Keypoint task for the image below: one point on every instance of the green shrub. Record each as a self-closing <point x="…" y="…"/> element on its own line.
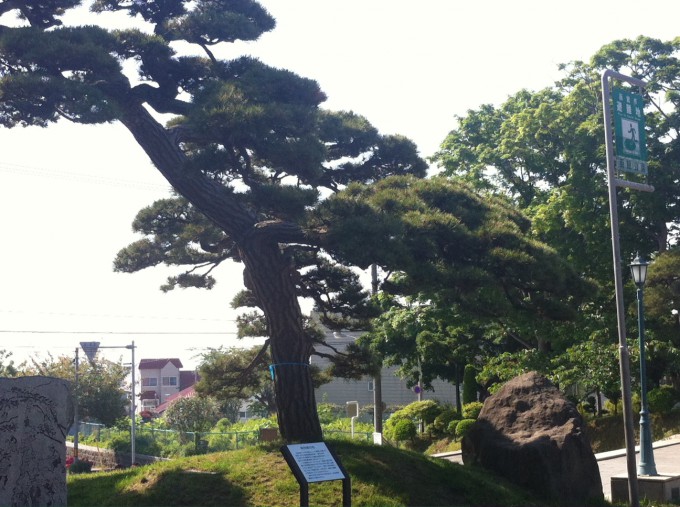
<point x="426" y="410"/>
<point x="442" y="421"/>
<point x="472" y="410"/>
<point x="469" y="384"/>
<point x="119" y="442"/>
<point x="451" y="428"/>
<point x="661" y="399"/>
<point x="80" y="466"/>
<point x="463" y="427"/>
<point x="404" y="429"/>
<point x="147" y="444"/>
<point x="613" y="408"/>
<point x="344" y="424"/>
<point x="328" y="412"/>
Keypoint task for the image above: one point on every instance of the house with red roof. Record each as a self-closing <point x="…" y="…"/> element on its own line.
<point x="162" y="380"/>
<point x="184" y="393"/>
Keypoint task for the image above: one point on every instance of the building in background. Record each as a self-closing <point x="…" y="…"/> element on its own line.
<point x="162" y="380"/>
<point x="395" y="392"/>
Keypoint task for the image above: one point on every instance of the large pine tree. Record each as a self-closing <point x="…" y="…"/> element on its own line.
<point x="248" y="145"/>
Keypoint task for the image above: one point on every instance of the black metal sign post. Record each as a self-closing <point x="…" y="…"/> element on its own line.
<point x="315" y="462"/>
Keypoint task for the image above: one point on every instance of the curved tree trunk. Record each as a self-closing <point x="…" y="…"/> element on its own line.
<point x="268" y="271"/>
<point x="270" y="278"/>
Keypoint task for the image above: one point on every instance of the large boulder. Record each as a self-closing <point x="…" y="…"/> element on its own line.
<point x="35" y="416"/>
<point x="529" y="433"/>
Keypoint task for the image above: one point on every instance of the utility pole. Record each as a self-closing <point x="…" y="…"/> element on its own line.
<point x="90" y="349"/>
<point x="377" y="378"/>
<point x="76" y="392"/>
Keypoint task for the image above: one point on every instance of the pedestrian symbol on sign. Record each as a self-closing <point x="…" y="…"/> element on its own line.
<point x="629" y="125"/>
<point x="631" y="144"/>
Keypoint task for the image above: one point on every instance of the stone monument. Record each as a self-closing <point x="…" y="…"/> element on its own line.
<point x="35" y="416"/>
<point x="529" y="433"/>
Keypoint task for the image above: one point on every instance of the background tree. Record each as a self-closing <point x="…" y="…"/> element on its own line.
<point x="7" y="367"/>
<point x="237" y="374"/>
<point x="589" y="367"/>
<point x="463" y="264"/>
<point x="662" y="304"/>
<point x="544" y="150"/>
<point x="193" y="414"/>
<point x="101" y="393"/>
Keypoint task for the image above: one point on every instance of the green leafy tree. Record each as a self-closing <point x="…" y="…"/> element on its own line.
<point x="662" y="322"/>
<point x="503" y="367"/>
<point x="193" y="414"/>
<point x="237" y="374"/>
<point x="247" y="146"/>
<point x="457" y="304"/>
<point x="544" y="151"/>
<point x="7" y="367"/>
<point x="101" y="387"/>
<point x="589" y="367"/>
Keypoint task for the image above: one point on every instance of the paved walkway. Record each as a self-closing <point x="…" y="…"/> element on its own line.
<point x="666" y="458"/>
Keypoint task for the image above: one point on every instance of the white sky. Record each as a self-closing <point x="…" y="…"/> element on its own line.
<point x="68" y="193"/>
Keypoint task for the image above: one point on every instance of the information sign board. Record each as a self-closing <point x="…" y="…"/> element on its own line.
<point x="629" y="129"/>
<point x="316" y="462"/>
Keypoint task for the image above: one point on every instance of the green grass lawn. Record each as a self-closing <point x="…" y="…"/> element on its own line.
<point x="259" y="476"/>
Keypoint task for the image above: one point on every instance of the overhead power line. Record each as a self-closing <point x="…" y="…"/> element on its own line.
<point x="117" y="316"/>
<point x="80" y="177"/>
<point x="27" y="331"/>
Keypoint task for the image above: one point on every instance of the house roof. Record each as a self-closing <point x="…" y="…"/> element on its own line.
<point x="188" y="378"/>
<point x="157" y="364"/>
<point x="185" y="393"/>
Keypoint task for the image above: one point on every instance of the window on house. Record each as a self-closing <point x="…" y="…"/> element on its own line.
<point x="149" y="382"/>
<point x="169" y="381"/>
<point x="370" y="385"/>
<point x="149" y="404"/>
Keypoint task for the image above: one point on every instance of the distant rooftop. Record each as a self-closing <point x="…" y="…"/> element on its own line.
<point x="185" y="393"/>
<point x="157" y="364"/>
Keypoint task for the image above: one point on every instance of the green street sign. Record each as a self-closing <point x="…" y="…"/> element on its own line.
<point x="629" y="127"/>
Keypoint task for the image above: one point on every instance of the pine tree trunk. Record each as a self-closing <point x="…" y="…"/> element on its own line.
<point x="269" y="276"/>
<point x="269" y="272"/>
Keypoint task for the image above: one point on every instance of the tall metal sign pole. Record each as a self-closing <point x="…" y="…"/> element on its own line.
<point x="630" y="157"/>
<point x="90" y="349"/>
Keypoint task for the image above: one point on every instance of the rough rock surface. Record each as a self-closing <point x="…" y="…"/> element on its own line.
<point x="35" y="415"/>
<point x="529" y="433"/>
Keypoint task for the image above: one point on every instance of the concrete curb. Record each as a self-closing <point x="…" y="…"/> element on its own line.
<point x="674" y="440"/>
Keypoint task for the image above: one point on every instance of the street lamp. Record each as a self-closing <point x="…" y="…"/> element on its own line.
<point x="75" y="406"/>
<point x="90" y="349"/>
<point x="638" y="269"/>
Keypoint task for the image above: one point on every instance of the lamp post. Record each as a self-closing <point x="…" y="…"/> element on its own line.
<point x="638" y="269"/>
<point x="75" y="406"/>
<point x="90" y="349"/>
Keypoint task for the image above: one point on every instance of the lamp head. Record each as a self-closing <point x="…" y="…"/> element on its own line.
<point x="638" y="269"/>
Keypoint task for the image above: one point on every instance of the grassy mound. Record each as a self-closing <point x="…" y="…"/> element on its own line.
<point x="259" y="476"/>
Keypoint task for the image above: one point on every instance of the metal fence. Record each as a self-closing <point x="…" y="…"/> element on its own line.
<point x="171" y="443"/>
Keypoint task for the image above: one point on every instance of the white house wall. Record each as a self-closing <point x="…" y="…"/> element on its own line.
<point x="394" y="389"/>
<point x="169" y="370"/>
